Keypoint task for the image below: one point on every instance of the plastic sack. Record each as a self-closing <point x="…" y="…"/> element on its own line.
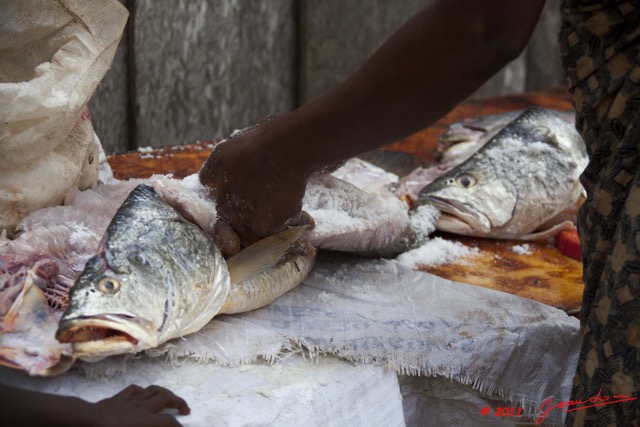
<point x="53" y="54"/>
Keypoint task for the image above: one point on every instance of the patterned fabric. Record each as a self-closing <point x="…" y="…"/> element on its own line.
<point x="599" y="43"/>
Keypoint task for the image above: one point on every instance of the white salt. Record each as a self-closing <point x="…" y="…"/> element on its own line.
<point x="437" y="251"/>
<point x="423" y="221"/>
<point x="350" y="219"/>
<point x="193" y="182"/>
<point x="524" y="249"/>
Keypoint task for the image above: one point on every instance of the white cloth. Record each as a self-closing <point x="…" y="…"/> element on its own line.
<point x="383" y="313"/>
<point x="296" y="392"/>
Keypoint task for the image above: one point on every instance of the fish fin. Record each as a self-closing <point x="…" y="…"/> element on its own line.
<point x="30" y="296"/>
<point x="262" y="255"/>
<point x="545" y="234"/>
<point x="60" y="367"/>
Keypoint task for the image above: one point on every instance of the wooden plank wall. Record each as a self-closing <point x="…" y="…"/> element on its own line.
<point x="109" y="106"/>
<point x="338" y="35"/>
<point x="198" y="69"/>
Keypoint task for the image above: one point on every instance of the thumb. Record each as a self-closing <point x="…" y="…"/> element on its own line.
<point x="226" y="239"/>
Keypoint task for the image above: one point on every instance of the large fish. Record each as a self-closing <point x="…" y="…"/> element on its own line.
<point x="522" y="184"/>
<point x="64" y="238"/>
<point x="157" y="276"/>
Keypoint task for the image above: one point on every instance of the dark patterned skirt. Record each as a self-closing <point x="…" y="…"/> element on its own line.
<point x="599" y="42"/>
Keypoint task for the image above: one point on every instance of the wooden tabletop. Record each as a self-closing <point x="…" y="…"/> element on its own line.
<point x="542" y="274"/>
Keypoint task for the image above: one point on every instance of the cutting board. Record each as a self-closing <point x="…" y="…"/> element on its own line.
<point x="542" y="273"/>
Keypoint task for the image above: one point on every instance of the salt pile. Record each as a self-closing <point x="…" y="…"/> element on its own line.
<point x="437" y="251"/>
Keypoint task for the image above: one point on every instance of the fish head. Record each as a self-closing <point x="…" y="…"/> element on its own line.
<point x="516" y="181"/>
<point x="471" y="199"/>
<point x="155" y="276"/>
<point x="117" y="305"/>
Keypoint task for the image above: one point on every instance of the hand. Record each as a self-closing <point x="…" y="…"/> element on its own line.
<point x="132" y="407"/>
<point x="258" y="187"/>
<point x="139" y="407"/>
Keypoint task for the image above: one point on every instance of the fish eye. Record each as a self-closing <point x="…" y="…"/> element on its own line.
<point x="466" y="180"/>
<point x="108" y="285"/>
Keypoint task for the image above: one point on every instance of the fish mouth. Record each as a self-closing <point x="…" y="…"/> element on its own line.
<point x="97" y="337"/>
<point x="458" y="218"/>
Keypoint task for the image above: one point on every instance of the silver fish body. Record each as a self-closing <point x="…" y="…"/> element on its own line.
<point x="522" y="184"/>
<point x="155" y="277"/>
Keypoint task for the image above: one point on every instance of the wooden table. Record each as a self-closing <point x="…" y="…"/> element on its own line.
<point x="544" y="274"/>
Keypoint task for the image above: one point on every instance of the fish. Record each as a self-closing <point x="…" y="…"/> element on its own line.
<point x="156" y="276"/>
<point x="522" y="184"/>
<point x="65" y="237"/>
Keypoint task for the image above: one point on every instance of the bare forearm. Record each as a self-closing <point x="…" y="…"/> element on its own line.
<point x="432" y="63"/>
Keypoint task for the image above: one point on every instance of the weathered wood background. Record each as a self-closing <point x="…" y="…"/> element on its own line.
<point x="198" y="69"/>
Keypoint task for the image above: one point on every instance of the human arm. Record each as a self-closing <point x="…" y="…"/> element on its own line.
<point x="433" y="62"/>
<point x="134" y="406"/>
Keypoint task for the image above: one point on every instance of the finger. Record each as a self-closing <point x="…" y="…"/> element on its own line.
<point x="302" y="218"/>
<point x="302" y="249"/>
<point x="153" y="390"/>
<point x="166" y="399"/>
<point x="129" y="391"/>
<point x="208" y="171"/>
<point x="262" y="226"/>
<point x="299" y="248"/>
<point x="249" y="238"/>
<point x="161" y="420"/>
<point x="233" y="232"/>
<point x="226" y="239"/>
<point x="332" y="167"/>
<point x="206" y="174"/>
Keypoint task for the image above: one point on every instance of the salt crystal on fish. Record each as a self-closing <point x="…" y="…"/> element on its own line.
<point x="423" y="221"/>
<point x="349" y="219"/>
